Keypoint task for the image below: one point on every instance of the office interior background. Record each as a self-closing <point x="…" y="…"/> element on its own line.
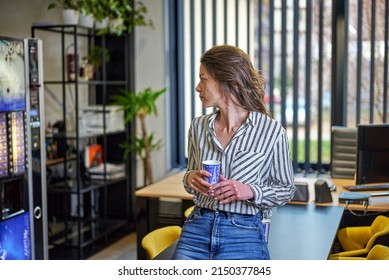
<point x="326" y="64"/>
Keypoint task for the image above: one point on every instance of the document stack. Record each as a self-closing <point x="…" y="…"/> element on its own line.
<point x="107" y="171"/>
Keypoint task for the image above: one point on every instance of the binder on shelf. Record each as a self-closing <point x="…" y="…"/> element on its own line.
<point x="93" y="155"/>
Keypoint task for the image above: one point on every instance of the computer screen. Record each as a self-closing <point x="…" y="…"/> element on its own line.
<point x="372" y="154"/>
<point x="15" y="239"/>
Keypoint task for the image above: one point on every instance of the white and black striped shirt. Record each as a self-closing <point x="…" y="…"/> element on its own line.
<point x="257" y="155"/>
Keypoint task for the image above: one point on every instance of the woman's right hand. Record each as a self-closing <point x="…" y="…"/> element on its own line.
<point x="196" y="180"/>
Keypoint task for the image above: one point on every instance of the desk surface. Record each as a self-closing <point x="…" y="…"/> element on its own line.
<point x="297" y="232"/>
<point x="379" y="203"/>
<point x="303" y="232"/>
<point x="172" y="187"/>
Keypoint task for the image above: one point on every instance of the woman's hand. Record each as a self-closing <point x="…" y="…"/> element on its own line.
<point x="196" y="180"/>
<point x="227" y="191"/>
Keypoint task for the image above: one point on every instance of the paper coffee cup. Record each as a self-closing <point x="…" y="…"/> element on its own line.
<point x="213" y="167"/>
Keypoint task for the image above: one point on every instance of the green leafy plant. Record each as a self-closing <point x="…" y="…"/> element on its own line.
<point x="66" y="4"/>
<point x="140" y="105"/>
<point x="96" y="55"/>
<point x="122" y="15"/>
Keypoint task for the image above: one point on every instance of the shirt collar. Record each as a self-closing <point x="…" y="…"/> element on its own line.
<point x="252" y="119"/>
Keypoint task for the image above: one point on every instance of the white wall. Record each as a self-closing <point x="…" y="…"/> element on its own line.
<point x="17" y="16"/>
<point x="150" y="72"/>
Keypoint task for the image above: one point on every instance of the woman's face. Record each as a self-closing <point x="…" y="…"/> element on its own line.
<point x="208" y="89"/>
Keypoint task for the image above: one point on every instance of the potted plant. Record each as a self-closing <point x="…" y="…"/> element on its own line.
<point x="71" y="10"/>
<point x="122" y="15"/>
<point x="86" y="13"/>
<point x="65" y="4"/>
<point x="96" y="56"/>
<point x="140" y="105"/>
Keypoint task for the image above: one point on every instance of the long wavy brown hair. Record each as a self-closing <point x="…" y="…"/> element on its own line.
<point x="232" y="68"/>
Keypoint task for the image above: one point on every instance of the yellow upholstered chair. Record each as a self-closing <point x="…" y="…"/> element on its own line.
<point x="359" y="240"/>
<point x="188" y="211"/>
<point x="378" y="252"/>
<point x="353" y="238"/>
<point x="159" y="239"/>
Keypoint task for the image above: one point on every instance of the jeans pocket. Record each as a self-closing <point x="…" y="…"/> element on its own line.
<point x="193" y="215"/>
<point x="246" y="221"/>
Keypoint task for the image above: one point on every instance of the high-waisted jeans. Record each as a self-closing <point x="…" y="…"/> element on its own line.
<point x="219" y="235"/>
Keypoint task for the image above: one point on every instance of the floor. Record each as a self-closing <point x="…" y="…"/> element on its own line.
<point x="123" y="249"/>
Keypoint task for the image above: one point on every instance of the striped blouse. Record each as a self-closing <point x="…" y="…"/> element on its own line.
<point x="257" y="155"/>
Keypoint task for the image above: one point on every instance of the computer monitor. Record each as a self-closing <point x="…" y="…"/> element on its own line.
<point x="372" y="154"/>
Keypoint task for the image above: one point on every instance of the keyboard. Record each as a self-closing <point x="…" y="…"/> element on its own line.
<point x="364" y="188"/>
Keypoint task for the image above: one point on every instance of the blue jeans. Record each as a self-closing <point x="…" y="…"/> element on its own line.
<point x="219" y="235"/>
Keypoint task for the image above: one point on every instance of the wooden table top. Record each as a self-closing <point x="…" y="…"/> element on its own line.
<point x="172" y="187"/>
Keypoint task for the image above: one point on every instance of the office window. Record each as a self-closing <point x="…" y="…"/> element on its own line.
<point x="298" y="45"/>
<point x="293" y="50"/>
<point x="367" y="60"/>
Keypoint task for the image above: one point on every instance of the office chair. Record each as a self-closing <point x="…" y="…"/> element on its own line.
<point x="159" y="239"/>
<point x="378" y="252"/>
<point x="353" y="238"/>
<point x="188" y="211"/>
<point x="343" y="152"/>
<point x="359" y="240"/>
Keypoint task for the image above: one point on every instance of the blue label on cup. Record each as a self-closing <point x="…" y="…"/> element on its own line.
<point x="213" y="167"/>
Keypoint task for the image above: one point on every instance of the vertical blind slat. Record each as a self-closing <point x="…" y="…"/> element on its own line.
<point x="385" y="82"/>
<point x="372" y="60"/>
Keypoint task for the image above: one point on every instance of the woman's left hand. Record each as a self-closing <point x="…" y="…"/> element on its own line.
<point x="227" y="191"/>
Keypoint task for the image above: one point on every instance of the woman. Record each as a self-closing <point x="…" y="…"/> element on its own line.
<point x="256" y="170"/>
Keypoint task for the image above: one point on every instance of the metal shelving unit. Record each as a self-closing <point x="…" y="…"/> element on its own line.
<point x="86" y="215"/>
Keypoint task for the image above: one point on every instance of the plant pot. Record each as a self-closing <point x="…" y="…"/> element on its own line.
<point x="70" y="16"/>
<point x="86" y="21"/>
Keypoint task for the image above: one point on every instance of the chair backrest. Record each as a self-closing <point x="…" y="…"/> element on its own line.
<point x="188" y="211"/>
<point x="343" y="152"/>
<point x="379" y="224"/>
<point x="158" y="240"/>
<point x="379" y="252"/>
<point x="380" y="237"/>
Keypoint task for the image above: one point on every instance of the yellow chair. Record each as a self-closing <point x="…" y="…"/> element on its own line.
<point x="188" y="211"/>
<point x="378" y="252"/>
<point x="159" y="239"/>
<point x="353" y="238"/>
<point x="358" y="241"/>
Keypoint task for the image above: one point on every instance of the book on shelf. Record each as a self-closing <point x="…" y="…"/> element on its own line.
<point x="93" y="155"/>
<point x="107" y="171"/>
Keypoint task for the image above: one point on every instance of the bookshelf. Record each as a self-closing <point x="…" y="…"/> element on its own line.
<point x="89" y="205"/>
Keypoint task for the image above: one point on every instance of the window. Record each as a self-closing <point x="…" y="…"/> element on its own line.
<point x="298" y="45"/>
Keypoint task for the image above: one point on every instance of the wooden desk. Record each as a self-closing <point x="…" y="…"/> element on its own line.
<point x="172" y="187"/>
<point x="376" y="204"/>
<point x="147" y="201"/>
<point x="297" y="232"/>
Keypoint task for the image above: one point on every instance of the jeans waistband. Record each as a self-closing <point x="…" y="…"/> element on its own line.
<point x="203" y="211"/>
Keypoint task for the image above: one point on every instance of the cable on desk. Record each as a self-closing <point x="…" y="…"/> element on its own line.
<point x="365" y="214"/>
